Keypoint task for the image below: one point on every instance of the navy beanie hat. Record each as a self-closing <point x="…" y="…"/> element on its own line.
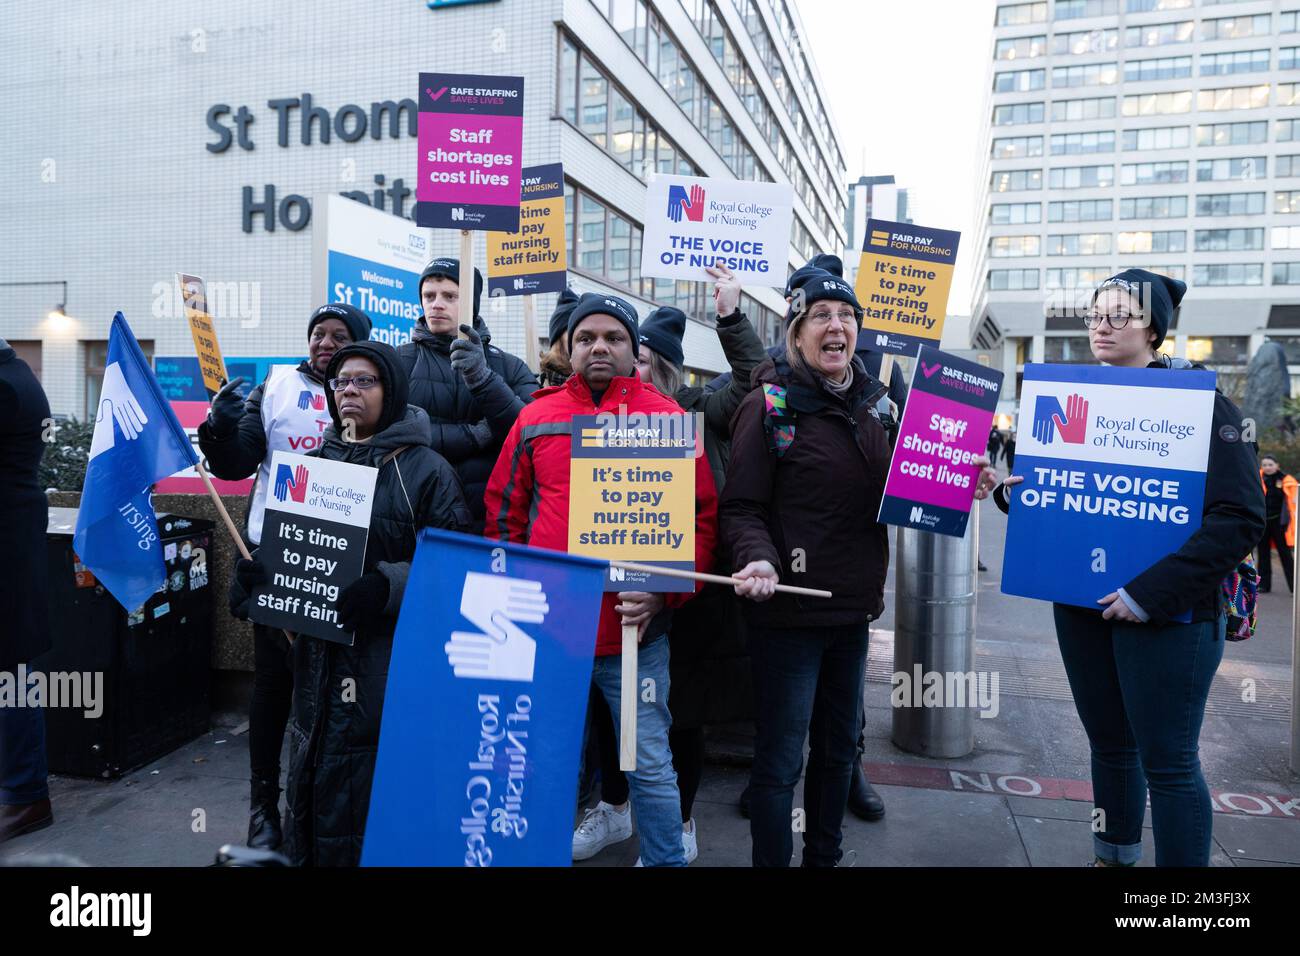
<point x="560" y="317"/>
<point x="1158" y="295"/>
<point x="662" y="332"/>
<point x="595" y="303"/>
<point x="819" y="287"/>
<point x="445" y="267"/>
<point x="358" y="322"/>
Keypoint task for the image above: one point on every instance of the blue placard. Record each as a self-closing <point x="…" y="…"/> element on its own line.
<point x="181" y="381"/>
<point x="483" y="716"/>
<point x="1113" y="461"/>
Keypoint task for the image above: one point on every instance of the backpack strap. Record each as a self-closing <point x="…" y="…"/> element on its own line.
<point x="778" y="420"/>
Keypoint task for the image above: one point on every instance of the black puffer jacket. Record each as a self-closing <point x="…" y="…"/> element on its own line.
<point x="333" y="743"/>
<point x="454" y="409"/>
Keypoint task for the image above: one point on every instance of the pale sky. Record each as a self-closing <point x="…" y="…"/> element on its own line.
<point x="904" y="82"/>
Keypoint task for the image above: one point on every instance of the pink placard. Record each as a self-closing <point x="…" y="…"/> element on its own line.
<point x="924" y="464"/>
<point x="453" y="177"/>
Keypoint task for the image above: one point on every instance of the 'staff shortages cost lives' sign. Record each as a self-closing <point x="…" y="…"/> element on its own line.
<point x="693" y="223"/>
<point x="313" y="542"/>
<point x="1114" y="465"/>
<point x="471" y="140"/>
<point x="945" y="427"/>
<point x="534" y="259"/>
<point x="632" y="495"/>
<point x="903" y="283"/>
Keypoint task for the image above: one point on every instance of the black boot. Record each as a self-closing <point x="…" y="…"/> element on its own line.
<point x="264" y="815"/>
<point x="863" y="799"/>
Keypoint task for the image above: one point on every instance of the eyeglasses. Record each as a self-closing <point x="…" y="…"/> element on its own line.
<point x="1093" y="320"/>
<point x="824" y="316"/>
<point x="361" y="381"/>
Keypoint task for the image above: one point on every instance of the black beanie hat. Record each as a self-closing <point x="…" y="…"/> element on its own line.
<point x="822" y="262"/>
<point x="445" y="267"/>
<point x="595" y="303"/>
<point x="822" y="286"/>
<point x="358" y="322"/>
<point x="1158" y="295"/>
<point x="560" y="317"/>
<point x="392" y="374"/>
<point x="662" y="332"/>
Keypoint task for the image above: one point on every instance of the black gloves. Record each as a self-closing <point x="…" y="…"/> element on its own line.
<point x="248" y="575"/>
<point x="227" y="408"/>
<point x="362" y="600"/>
<point x="468" y="359"/>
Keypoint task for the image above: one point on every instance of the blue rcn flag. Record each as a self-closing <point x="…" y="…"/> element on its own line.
<point x="1114" y="465"/>
<point x="137" y="441"/>
<point x="483" y="716"/>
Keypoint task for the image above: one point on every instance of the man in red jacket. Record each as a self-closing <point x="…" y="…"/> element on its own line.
<point x="527" y="501"/>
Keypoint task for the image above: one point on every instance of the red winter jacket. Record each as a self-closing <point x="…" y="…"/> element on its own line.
<point x="527" y="498"/>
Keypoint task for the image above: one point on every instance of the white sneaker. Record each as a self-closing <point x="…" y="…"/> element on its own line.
<point x="690" y="843"/>
<point x="601" y="827"/>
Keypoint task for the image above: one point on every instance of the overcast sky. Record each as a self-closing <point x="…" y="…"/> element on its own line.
<point x="905" y="83"/>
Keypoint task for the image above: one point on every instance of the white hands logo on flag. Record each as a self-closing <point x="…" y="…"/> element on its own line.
<point x="494" y="603"/>
<point x="116" y="404"/>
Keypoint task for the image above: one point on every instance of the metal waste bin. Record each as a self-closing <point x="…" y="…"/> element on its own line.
<point x="152" y="664"/>
<point x="934" y="633"/>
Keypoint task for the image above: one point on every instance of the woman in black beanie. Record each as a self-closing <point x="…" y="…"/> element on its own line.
<point x="1139" y="678"/>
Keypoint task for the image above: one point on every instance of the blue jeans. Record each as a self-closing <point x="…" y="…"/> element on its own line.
<point x="653" y="785"/>
<point x="23" y="767"/>
<point x="1140" y="691"/>
<point x="807" y="683"/>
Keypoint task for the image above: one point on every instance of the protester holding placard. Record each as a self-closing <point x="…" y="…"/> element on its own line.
<point x="527" y="501"/>
<point x="555" y="368"/>
<point x="1140" y="675"/>
<point x="471" y="390"/>
<point x="1280" y="515"/>
<point x="339" y="689"/>
<point x="285" y="413"/>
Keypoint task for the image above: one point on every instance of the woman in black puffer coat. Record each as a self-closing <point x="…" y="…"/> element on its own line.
<point x="333" y="741"/>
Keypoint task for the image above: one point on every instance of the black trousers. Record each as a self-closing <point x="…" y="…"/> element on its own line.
<point x="1274" y="533"/>
<point x="272" y="697"/>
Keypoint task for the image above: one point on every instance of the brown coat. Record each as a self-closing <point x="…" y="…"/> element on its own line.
<point x="811" y="512"/>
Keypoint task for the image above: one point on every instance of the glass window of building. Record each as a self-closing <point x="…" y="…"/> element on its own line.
<point x="1284" y="167"/>
<point x="1153" y="207"/>
<point x="1097" y="107"/>
<point x="1288" y="94"/>
<point x="1229" y="240"/>
<point x="1074" y="9"/>
<point x="1219" y="349"/>
<point x="1160" y="68"/>
<point x="1173" y="271"/>
<point x="1150" y="6"/>
<point x="1228" y="273"/>
<point x="1071" y="144"/>
<point x="1013" y="180"/>
<point x="1234" y="28"/>
<point x="1286" y="237"/>
<point x="591" y="235"/>
<point x="1232" y="134"/>
<point x="1091" y="74"/>
<point x="1233" y="98"/>
<point x="1020" y="48"/>
<point x="1288" y="58"/>
<point x="1017" y="14"/>
<point x="1015" y="114"/>
<point x="1085" y="41"/>
<point x="1286" y="202"/>
<point x="1068" y="350"/>
<point x="1082" y="177"/>
<point x="1286" y="273"/>
<point x="1246" y="169"/>
<point x="1159" y="137"/>
<point x="1157" y="104"/>
<point x="566" y="86"/>
<point x="1079" y="244"/>
<point x="594" y="101"/>
<point x="1288" y="21"/>
<point x="1147" y="241"/>
<point x="1017" y="147"/>
<point x="1240" y="61"/>
<point x="1143" y="174"/>
<point x="1015" y="214"/>
<point x="1019" y="81"/>
<point x="1074" y="278"/>
<point x="1079" y="210"/>
<point x="1230" y="204"/>
<point x="1288" y="131"/>
<point x="1013" y="280"/>
<point x="1160" y="34"/>
<point x="1011" y="247"/>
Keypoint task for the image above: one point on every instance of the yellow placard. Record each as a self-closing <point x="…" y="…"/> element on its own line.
<point x="903" y="282"/>
<point x="535" y="258"/>
<point x="211" y="364"/>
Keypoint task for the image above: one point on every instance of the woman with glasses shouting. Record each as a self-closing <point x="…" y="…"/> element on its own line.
<point x="1140" y="679"/>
